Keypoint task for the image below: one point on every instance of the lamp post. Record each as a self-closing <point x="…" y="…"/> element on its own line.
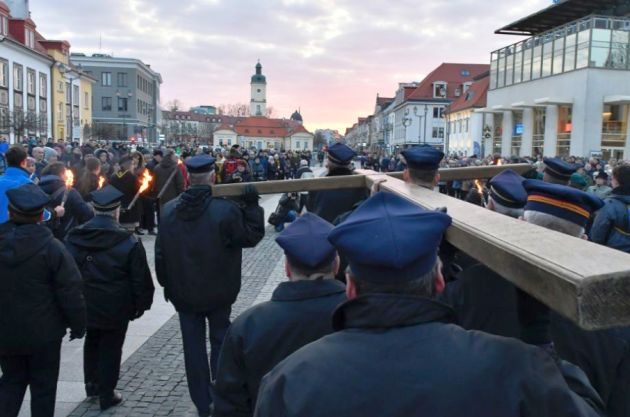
<point x="66" y="71"/>
<point x="407" y="121"/>
<point x="419" y="116"/>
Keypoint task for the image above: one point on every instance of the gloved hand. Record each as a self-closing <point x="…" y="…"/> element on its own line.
<point x="77" y="334"/>
<point x="166" y="296"/>
<point x="250" y="195"/>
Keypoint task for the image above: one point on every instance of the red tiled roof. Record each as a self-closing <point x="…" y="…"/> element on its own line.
<point x="225" y="126"/>
<point x="4" y="7"/>
<point x="265" y="127"/>
<point x="452" y="74"/>
<point x="475" y="97"/>
<point x="380" y="101"/>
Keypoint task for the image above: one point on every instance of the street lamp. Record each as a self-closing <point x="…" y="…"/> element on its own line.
<point x="419" y="116"/>
<point x="67" y="71"/>
<point x="406" y="121"/>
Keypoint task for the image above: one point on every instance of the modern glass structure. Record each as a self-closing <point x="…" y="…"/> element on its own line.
<point x="591" y="42"/>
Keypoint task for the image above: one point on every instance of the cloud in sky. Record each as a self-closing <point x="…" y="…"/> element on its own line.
<point x="328" y="57"/>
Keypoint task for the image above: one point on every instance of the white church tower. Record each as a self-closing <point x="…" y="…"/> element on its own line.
<point x="258" y="106"/>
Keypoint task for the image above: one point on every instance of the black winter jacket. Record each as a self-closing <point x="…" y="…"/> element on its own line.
<point x="127" y="183"/>
<point x="399" y="356"/>
<point x="330" y="204"/>
<point x="116" y="278"/>
<point x="198" y="250"/>
<point x="77" y="210"/>
<point x="298" y="314"/>
<point x="40" y="289"/>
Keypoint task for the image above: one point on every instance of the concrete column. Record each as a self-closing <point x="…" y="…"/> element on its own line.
<point x="506" y="139"/>
<point x="528" y="132"/>
<point x="551" y="131"/>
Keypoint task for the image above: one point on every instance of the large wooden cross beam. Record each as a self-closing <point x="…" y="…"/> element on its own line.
<point x="586" y="282"/>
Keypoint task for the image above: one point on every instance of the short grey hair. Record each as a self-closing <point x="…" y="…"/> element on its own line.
<point x="301" y="274"/>
<point x="202" y="178"/>
<point x="114" y="214"/>
<point x="506" y="211"/>
<point x="423" y="286"/>
<point x="552" y="222"/>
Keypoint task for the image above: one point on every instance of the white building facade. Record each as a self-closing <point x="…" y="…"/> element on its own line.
<point x="565" y="91"/>
<point x="258" y="102"/>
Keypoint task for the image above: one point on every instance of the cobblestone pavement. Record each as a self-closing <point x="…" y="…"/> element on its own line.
<point x="153" y="379"/>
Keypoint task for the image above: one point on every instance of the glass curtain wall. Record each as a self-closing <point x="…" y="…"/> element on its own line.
<point x="565" y="127"/>
<point x="595" y="42"/>
<point x="614" y="130"/>
<point x="517" y="132"/>
<point x="538" y="142"/>
<point x="498" y="133"/>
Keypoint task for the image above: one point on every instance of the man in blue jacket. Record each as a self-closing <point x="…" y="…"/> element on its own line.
<point x="612" y="224"/>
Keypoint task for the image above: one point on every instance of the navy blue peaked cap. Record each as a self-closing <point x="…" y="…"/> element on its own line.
<point x="558" y="168"/>
<point x="305" y="242"/>
<point x="507" y="189"/>
<point x="107" y="198"/>
<point x="423" y="157"/>
<point x="200" y="164"/>
<point x="27" y="199"/>
<point x="561" y="201"/>
<point x="341" y="154"/>
<point x="388" y="239"/>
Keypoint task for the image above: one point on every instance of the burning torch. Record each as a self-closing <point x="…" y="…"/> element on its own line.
<point x="480" y="191"/>
<point x="101" y="182"/>
<point x="69" y="184"/>
<point x="146" y="181"/>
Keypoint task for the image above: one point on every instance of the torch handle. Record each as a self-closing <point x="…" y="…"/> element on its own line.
<point x="133" y="202"/>
<point x="64" y="198"/>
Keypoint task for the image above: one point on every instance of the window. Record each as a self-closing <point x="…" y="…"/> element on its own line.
<point x="297" y="144"/>
<point x="5" y="25"/>
<point x="122" y="104"/>
<point x="438" y="112"/>
<point x="106" y="79"/>
<point x="43" y="85"/>
<point x="30" y="81"/>
<point x="438" y="132"/>
<point x="75" y="95"/>
<point x="439" y="90"/>
<point x="86" y="101"/>
<point x="60" y="112"/>
<point x="29" y="38"/>
<point x="18" y="77"/>
<point x="122" y="79"/>
<point x="4" y="74"/>
<point x="67" y="92"/>
<point x="466" y="124"/>
<point x="107" y="103"/>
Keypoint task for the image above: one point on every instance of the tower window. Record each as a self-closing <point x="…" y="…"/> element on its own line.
<point x="259" y="90"/>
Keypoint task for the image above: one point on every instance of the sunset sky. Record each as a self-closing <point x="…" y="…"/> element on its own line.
<point x="328" y="57"/>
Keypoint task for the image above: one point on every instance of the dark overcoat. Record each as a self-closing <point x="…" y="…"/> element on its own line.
<point x="40" y="289"/>
<point x="330" y="204"/>
<point x="199" y="248"/>
<point x="398" y="355"/>
<point x="117" y="281"/>
<point x="298" y="313"/>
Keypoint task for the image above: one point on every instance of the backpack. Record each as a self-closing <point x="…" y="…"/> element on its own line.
<point x="622" y="217"/>
<point x="230" y="167"/>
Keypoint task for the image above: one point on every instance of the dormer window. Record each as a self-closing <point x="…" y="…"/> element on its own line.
<point x="29" y="38"/>
<point x="439" y="89"/>
<point x="467" y="86"/>
<point x="4" y="25"/>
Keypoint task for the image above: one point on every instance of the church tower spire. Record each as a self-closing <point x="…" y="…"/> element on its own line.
<point x="258" y="103"/>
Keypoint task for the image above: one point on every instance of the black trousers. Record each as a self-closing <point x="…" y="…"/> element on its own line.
<point x="148" y="213"/>
<point x="194" y="328"/>
<point x="39" y="371"/>
<point x="102" y="352"/>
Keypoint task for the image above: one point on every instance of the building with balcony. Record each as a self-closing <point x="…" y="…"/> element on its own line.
<point x="565" y="90"/>
<point x="126" y="97"/>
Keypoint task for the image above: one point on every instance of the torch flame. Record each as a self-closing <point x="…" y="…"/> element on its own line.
<point x="179" y="162"/>
<point x="499" y="162"/>
<point x="69" y="178"/>
<point x="101" y="182"/>
<point x="479" y="186"/>
<point x="146" y="181"/>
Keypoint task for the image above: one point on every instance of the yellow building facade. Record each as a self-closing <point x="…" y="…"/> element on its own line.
<point x="71" y="96"/>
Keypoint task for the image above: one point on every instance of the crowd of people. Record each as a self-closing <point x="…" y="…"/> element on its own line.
<point x="378" y="315"/>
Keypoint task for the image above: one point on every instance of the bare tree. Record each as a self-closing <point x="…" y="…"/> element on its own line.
<point x="235" y="109"/>
<point x="271" y="112"/>
<point x="174" y="105"/>
<point x="18" y="123"/>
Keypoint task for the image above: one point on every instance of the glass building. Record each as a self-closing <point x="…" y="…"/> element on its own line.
<point x="564" y="90"/>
